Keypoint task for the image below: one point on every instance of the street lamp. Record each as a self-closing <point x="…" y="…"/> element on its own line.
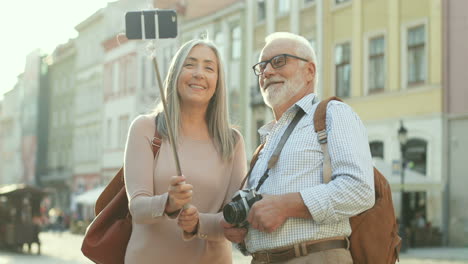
<point x="403" y="138"/>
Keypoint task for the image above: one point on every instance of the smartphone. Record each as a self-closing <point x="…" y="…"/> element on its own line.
<point x="143" y="24"/>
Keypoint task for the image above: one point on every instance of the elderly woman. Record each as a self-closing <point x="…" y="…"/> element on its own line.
<point x="212" y="159"/>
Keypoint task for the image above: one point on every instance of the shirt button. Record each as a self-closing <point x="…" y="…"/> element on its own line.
<point x="203" y="236"/>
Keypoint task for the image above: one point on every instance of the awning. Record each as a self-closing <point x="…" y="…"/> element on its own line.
<point x="414" y="181"/>
<point x="89" y="197"/>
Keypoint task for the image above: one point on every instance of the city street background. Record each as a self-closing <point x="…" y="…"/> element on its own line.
<point x="68" y="97"/>
<point x="64" y="248"/>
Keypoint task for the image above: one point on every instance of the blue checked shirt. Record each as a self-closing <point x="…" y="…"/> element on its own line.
<point x="299" y="169"/>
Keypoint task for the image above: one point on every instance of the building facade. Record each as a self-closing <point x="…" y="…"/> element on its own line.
<point x="10" y="126"/>
<point x="30" y="105"/>
<point x="87" y="138"/>
<point x="58" y="178"/>
<point x="455" y="54"/>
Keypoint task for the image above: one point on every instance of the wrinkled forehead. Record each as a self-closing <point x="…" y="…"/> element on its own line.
<point x="276" y="47"/>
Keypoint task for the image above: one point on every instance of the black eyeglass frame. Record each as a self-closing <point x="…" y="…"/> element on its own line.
<point x="275" y="67"/>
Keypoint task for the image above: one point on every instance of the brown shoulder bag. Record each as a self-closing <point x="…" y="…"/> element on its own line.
<point x="107" y="237"/>
<point x="374" y="237"/>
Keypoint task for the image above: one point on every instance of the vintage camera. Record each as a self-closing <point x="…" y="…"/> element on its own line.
<point x="151" y="24"/>
<point x="236" y="211"/>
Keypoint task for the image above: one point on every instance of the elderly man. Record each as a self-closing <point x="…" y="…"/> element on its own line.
<point x="300" y="219"/>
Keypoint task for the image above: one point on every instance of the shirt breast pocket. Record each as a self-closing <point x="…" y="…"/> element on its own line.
<point x="302" y="147"/>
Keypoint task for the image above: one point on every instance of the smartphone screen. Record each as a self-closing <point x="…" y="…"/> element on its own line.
<point x="142" y="24"/>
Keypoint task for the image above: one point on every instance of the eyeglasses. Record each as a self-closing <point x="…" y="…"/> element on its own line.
<point x="276" y="62"/>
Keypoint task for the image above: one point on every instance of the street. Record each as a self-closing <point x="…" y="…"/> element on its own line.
<point x="65" y="248"/>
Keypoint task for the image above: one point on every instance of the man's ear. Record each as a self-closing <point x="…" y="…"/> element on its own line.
<point x="311" y="71"/>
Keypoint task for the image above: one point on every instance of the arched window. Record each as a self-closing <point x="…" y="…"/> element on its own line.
<point x="377" y="149"/>
<point x="416" y="155"/>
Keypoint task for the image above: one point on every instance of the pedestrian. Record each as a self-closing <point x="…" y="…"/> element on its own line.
<point x="300" y="219"/>
<point x="212" y="159"/>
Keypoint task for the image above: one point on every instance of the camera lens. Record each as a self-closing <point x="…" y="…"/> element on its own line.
<point x="234" y="213"/>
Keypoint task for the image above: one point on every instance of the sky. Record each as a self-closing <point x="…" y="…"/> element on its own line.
<point x="31" y="24"/>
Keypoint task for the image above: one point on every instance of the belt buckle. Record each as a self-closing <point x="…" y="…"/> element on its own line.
<point x="264" y="257"/>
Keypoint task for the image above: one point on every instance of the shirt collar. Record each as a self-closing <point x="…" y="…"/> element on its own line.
<point x="305" y="103"/>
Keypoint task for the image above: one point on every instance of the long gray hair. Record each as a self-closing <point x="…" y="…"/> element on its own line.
<point x="217" y="115"/>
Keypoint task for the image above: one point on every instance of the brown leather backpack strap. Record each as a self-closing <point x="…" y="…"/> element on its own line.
<point x="320" y="117"/>
<point x="252" y="164"/>
<point x="156" y="141"/>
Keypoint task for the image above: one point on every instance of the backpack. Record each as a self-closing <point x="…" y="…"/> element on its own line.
<point x="374" y="238"/>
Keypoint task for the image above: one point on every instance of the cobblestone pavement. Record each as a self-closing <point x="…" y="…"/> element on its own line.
<point x="65" y="249"/>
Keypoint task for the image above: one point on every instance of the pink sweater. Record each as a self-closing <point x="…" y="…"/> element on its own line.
<point x="155" y="237"/>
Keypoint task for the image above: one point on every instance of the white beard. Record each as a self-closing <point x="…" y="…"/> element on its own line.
<point x="277" y="95"/>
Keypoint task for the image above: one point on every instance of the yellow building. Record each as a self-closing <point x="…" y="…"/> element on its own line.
<point x="383" y="57"/>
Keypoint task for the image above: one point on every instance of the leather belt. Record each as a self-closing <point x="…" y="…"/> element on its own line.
<point x="298" y="250"/>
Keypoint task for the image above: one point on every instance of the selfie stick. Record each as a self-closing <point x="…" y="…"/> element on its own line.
<point x="168" y="125"/>
<point x="161" y="91"/>
<point x="163" y="99"/>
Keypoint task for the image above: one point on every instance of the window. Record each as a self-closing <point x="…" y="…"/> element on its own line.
<point x="64" y="84"/>
<point x="343" y="70"/>
<point x="260" y="123"/>
<point x="108" y="81"/>
<point x="416" y="155"/>
<point x="122" y="74"/>
<point x="115" y="78"/>
<point x="109" y="133"/>
<point x="416" y="55"/>
<point x="143" y="73"/>
<point x="123" y="126"/>
<point x="261" y="10"/>
<point x="377" y="149"/>
<point x="376" y="64"/>
<point x="54" y="119"/>
<point x="283" y="7"/>
<point x="312" y="43"/>
<point x="337" y="2"/>
<point x="306" y="2"/>
<point x="236" y="43"/>
<point x="130" y="72"/>
<point x="219" y="41"/>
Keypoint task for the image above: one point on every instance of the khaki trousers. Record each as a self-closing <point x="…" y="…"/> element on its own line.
<point x="332" y="256"/>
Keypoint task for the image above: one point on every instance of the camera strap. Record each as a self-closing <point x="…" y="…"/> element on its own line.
<point x="275" y="157"/>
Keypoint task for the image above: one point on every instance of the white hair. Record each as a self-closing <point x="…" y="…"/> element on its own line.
<point x="303" y="47"/>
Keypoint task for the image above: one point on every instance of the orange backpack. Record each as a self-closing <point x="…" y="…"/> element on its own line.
<point x="374" y="238"/>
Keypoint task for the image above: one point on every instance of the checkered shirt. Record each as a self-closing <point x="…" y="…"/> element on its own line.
<point x="299" y="169"/>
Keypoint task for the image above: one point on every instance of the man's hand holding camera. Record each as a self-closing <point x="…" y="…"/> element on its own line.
<point x="268" y="214"/>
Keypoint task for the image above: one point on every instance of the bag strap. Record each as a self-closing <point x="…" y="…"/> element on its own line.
<point x="275" y="157"/>
<point x="320" y="117"/>
<point x="117" y="183"/>
<point x="252" y="164"/>
<point x="156" y="141"/>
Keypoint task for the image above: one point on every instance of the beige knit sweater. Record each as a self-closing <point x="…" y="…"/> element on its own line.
<point x="155" y="237"/>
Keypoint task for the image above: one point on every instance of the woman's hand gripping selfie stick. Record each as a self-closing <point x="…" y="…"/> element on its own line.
<point x="168" y="125"/>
